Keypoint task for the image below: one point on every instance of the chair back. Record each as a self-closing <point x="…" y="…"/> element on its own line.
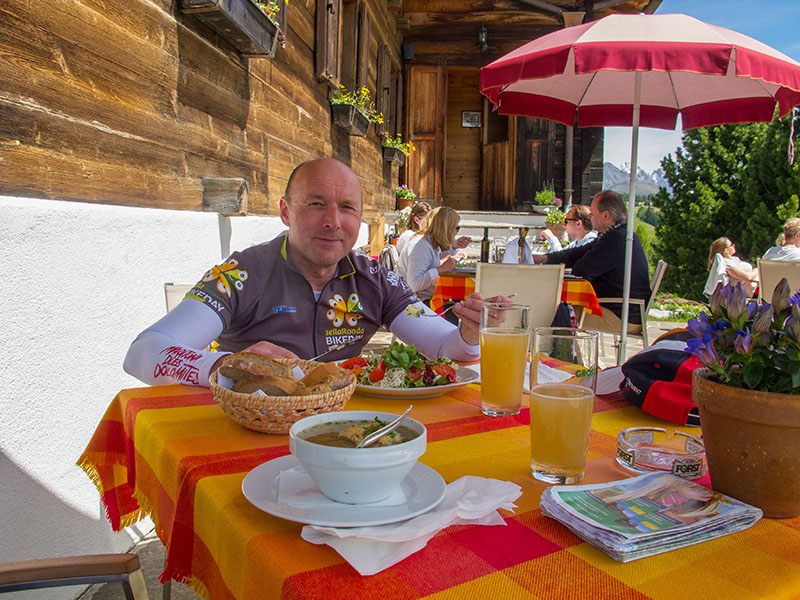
<point x="770" y="272"/>
<point x="655" y="283"/>
<point x="539" y="286"/>
<point x="174" y="293"/>
<point x="388" y="257"/>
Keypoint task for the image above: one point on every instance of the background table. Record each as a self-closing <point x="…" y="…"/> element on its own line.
<point x="170" y="451"/>
<point x="457" y="286"/>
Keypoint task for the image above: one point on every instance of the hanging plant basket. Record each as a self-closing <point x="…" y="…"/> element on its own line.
<point x="351" y="120"/>
<point x="243" y="24"/>
<point x="394" y="155"/>
<point x="540" y="209"/>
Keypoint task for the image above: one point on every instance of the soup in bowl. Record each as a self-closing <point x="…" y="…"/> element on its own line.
<point x="324" y="445"/>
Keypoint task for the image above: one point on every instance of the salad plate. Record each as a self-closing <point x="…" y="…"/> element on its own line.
<point x="465" y="375"/>
<point x="424" y="489"/>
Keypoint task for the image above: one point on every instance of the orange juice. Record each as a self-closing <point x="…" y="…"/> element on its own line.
<point x="561" y="418"/>
<point x="504" y="354"/>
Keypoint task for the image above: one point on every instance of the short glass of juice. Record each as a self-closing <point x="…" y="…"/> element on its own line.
<point x="504" y="338"/>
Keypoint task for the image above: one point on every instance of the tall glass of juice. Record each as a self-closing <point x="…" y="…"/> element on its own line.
<point x="504" y="338"/>
<point x="563" y="381"/>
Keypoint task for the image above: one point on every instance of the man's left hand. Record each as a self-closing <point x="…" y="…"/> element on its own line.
<point x="469" y="311"/>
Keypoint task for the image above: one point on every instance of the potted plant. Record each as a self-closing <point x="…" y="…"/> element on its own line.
<point x="353" y="111"/>
<point x="555" y="221"/>
<point x="405" y="197"/>
<point x="748" y="395"/>
<point x="395" y="149"/>
<point x="250" y="26"/>
<point x="545" y="200"/>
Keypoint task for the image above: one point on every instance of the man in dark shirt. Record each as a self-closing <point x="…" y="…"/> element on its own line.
<point x="602" y="263"/>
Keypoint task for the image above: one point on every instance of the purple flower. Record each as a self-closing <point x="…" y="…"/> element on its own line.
<point x="695" y="327"/>
<point x="780" y="297"/>
<point x="737" y="302"/>
<point x="707" y="354"/>
<point x="762" y="319"/>
<point x="717" y="299"/>
<point x="743" y="343"/>
<point x="794" y="321"/>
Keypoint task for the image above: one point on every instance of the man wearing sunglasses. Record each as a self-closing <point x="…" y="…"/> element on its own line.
<point x="602" y="263"/>
<point x="579" y="230"/>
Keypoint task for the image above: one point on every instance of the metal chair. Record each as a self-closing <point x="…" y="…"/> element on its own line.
<point x="75" y="570"/>
<point x="589" y="322"/>
<point x="770" y="272"/>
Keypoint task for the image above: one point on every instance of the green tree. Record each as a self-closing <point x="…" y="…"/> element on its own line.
<point x="729" y="180"/>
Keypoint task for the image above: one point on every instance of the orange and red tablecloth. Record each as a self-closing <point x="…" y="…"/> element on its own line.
<point x="170" y="452"/>
<point x="577" y="292"/>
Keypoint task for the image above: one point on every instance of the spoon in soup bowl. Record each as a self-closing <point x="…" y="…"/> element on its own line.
<point x="378" y="434"/>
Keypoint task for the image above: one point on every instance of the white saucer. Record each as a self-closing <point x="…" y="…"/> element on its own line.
<point x="424" y="488"/>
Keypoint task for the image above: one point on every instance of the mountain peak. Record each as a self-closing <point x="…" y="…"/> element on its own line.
<point x="617" y="178"/>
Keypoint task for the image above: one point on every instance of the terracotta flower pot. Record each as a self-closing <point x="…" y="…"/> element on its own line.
<point x="558" y="229"/>
<point x="752" y="442"/>
<point x="404" y="203"/>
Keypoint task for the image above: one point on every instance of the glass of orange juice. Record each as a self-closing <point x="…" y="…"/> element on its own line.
<point x="505" y="338"/>
<point x="563" y="381"/>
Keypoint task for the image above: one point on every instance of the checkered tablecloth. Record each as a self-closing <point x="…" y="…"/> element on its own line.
<point x="170" y="452"/>
<point x="577" y="292"/>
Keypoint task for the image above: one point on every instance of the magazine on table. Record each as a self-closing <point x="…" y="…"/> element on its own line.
<point x="645" y="515"/>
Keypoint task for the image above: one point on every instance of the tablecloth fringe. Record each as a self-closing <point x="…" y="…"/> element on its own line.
<point x="126" y="520"/>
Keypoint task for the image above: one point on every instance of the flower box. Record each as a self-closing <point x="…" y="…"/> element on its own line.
<point x="243" y="24"/>
<point x="350" y="119"/>
<point x="541" y="209"/>
<point x="394" y="155"/>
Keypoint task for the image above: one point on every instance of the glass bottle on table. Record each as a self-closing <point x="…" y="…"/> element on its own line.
<point x="485" y="246"/>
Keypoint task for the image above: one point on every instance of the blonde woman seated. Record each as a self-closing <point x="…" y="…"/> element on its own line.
<point x="421" y="260"/>
<point x="724" y="267"/>
<point x="789" y="247"/>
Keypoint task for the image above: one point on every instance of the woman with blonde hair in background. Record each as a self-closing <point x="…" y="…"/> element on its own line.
<point x="724" y="267"/>
<point x="421" y="260"/>
<point x="789" y="247"/>
<point x="416" y="221"/>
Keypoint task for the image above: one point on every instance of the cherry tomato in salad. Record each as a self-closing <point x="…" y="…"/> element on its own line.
<point x="414" y="373"/>
<point x="357" y="362"/>
<point x="378" y="372"/>
<point x="445" y="371"/>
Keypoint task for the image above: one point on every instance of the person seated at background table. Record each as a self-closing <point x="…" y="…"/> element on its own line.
<point x="602" y="263"/>
<point x="425" y="256"/>
<point x="789" y="248"/>
<point x="416" y="221"/>
<point x="299" y="295"/>
<point x="725" y="267"/>
<point x="578" y="223"/>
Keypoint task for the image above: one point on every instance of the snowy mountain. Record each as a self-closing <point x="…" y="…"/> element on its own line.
<point x="618" y="179"/>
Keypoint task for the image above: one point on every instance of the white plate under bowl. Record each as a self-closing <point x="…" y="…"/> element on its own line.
<point x="465" y="374"/>
<point x="424" y="489"/>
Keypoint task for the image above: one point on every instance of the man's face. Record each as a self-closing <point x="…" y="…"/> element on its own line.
<point x="572" y="225"/>
<point x="601" y="220"/>
<point x="323" y="213"/>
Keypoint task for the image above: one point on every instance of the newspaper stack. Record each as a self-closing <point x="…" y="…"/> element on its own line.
<point x="646" y="515"/>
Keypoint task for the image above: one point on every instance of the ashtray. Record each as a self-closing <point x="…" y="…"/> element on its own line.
<point x="649" y="449"/>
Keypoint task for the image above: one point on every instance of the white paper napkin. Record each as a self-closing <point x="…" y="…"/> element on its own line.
<point x="295" y="487"/>
<point x="467" y="501"/>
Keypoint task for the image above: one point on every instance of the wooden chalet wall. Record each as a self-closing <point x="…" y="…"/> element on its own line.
<point x="132" y="102"/>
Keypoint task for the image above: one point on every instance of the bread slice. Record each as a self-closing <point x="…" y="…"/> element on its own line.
<point x="321" y="373"/>
<point x="242" y="365"/>
<point x="272" y="385"/>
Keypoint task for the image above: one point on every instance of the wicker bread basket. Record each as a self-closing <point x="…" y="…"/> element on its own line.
<point x="276" y="414"/>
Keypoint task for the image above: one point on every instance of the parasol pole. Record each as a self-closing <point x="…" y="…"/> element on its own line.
<point x="626" y="286"/>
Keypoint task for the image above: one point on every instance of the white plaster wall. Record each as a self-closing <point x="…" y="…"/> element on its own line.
<point x="79" y="282"/>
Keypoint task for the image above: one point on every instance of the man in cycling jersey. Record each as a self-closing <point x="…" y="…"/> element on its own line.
<point x="303" y="294"/>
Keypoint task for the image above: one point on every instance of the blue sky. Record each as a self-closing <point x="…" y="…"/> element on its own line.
<point x="773" y="22"/>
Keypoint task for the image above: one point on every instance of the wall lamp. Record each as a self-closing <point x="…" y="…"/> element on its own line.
<point x="482" y="36"/>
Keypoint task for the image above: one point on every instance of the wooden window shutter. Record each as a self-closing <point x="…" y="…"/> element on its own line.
<point x="398" y="100"/>
<point x="383" y="93"/>
<point x="328" y="40"/>
<point x="362" y="57"/>
<point x="355" y="44"/>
